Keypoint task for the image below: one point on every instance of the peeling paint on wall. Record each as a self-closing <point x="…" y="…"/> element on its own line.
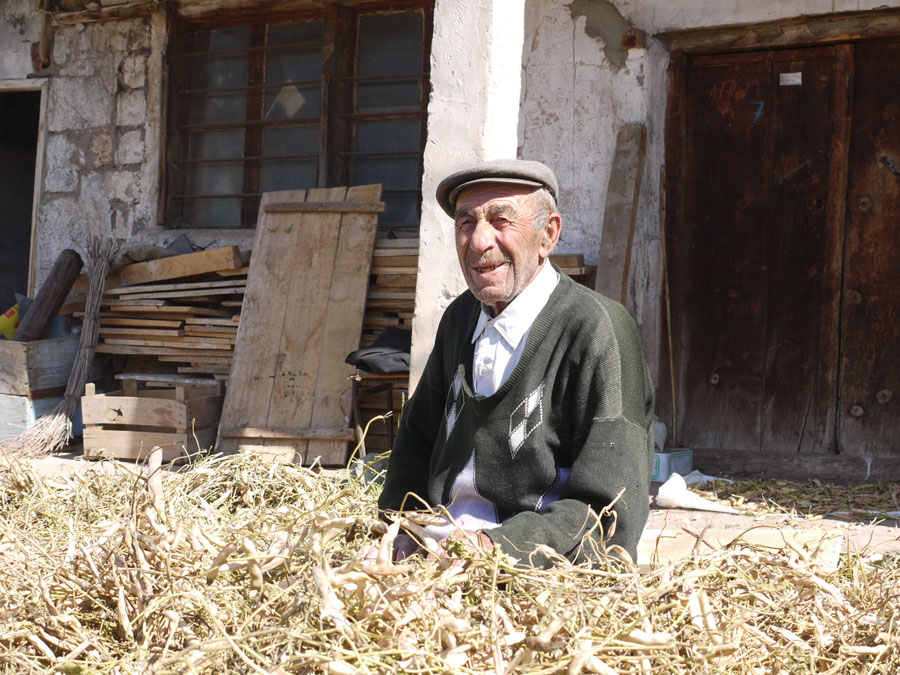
<point x="603" y="22"/>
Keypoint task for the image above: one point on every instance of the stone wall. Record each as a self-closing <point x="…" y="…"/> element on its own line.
<point x="20" y="27"/>
<point x="103" y="126"/>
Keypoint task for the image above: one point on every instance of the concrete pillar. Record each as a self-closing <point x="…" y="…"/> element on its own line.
<point x="476" y="62"/>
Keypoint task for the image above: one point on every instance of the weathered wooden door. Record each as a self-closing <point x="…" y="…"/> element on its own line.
<point x="870" y="326"/>
<point x="771" y="337"/>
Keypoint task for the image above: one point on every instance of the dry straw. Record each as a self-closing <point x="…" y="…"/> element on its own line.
<point x="235" y="565"/>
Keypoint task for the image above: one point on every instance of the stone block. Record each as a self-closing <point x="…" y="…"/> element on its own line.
<point x="102" y="149"/>
<point x="130" y="149"/>
<point x="63" y="159"/>
<point x="131" y="109"/>
<point x="124" y="186"/>
<point x="130" y="36"/>
<point x="134" y="71"/>
<point x="82" y="102"/>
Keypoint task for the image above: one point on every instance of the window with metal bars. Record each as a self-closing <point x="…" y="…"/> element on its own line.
<point x="289" y="102"/>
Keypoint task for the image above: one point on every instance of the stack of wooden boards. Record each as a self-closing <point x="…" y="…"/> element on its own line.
<point x="183" y="310"/>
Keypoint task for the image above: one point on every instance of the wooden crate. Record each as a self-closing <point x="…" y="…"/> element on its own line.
<point x="28" y="368"/>
<point x="127" y="424"/>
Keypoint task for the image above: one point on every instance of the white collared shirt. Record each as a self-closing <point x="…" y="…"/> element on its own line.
<point x="500" y="340"/>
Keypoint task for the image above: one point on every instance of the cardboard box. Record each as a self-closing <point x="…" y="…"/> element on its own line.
<point x="680" y="461"/>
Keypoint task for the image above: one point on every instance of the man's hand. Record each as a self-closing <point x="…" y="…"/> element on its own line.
<point x="463" y="541"/>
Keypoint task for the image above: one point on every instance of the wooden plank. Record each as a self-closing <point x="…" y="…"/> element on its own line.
<point x="193" y="357"/>
<point x="257" y="353"/>
<point x="620" y="215"/>
<point x="324" y="207"/>
<point x="804" y="253"/>
<point x="106" y="348"/>
<point x="152" y="412"/>
<point x="304" y="335"/>
<point x="824" y="29"/>
<point x="197" y="321"/>
<point x="199" y="343"/>
<point x="394" y="281"/>
<point x="799" y="466"/>
<point x="869" y="415"/>
<point x="140" y="332"/>
<point x="567" y="259"/>
<point x="716" y="278"/>
<point x="163" y="308"/>
<point x="319" y="261"/>
<point x="211" y="331"/>
<point x="391" y="295"/>
<point x="344" y="316"/>
<point x="378" y="269"/>
<point x="136" y="445"/>
<point x="396" y="261"/>
<point x="36" y="365"/>
<point x="140" y="322"/>
<point x="176" y="267"/>
<point x="393" y="252"/>
<point x="196" y="295"/>
<point x="290" y="434"/>
<point x="240" y="271"/>
<point x="184" y="286"/>
<point x="384" y="243"/>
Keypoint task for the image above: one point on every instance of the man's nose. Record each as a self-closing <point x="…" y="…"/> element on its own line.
<point x="482" y="236"/>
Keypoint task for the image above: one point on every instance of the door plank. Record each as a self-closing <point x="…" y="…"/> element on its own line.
<point x="870" y="323"/>
<point x="803" y="254"/>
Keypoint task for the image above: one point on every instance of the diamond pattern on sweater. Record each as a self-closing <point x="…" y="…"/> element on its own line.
<point x="456" y="399"/>
<point x="526" y="417"/>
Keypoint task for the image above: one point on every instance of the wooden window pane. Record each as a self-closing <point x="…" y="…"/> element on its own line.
<point x="389" y="45"/>
<point x="300" y="62"/>
<point x="227" y="144"/>
<point x="292" y="172"/>
<point x="388" y="135"/>
<point x="219" y="71"/>
<point x="219" y="213"/>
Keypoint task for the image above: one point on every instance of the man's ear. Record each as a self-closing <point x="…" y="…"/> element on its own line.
<point x="550" y="235"/>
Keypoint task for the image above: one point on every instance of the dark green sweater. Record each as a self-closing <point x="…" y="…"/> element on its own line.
<point x="580" y="399"/>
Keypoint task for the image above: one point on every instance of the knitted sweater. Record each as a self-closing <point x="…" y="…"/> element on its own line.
<point x="562" y="437"/>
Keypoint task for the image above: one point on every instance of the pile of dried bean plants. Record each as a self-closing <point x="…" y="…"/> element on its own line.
<point x="234" y="565"/>
<point x="806" y="499"/>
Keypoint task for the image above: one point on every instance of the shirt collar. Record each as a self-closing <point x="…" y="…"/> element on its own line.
<point x="514" y="321"/>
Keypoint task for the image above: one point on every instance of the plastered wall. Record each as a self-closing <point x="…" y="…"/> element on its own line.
<point x="579" y="85"/>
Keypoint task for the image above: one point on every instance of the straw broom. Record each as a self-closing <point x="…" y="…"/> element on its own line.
<point x="53" y="431"/>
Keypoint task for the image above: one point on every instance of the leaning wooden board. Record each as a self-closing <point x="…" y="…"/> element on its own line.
<point x="289" y="394"/>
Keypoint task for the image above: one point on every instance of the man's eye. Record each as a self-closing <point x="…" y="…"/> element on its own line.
<point x="465" y="224"/>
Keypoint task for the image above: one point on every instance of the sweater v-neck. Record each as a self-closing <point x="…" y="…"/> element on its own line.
<point x="539" y="330"/>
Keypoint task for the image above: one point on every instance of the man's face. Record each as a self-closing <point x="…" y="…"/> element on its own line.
<point x="499" y="249"/>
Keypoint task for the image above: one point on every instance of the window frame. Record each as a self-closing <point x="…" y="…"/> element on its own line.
<point x="337" y="113"/>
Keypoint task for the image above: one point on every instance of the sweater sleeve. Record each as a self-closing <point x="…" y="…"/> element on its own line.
<point x="408" y="466"/>
<point x="610" y="448"/>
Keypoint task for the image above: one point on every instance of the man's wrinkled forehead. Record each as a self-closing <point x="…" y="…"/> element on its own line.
<point x="493" y="198"/>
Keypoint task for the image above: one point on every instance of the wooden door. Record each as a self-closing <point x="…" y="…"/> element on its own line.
<point x="755" y="251"/>
<point x="870" y="327"/>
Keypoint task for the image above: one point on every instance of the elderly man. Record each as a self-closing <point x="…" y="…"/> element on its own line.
<point x="531" y="421"/>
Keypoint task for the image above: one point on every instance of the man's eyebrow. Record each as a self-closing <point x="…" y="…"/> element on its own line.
<point x="461" y="212"/>
<point x="502" y="209"/>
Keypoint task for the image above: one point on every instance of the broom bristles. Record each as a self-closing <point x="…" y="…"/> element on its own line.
<point x="52" y="431"/>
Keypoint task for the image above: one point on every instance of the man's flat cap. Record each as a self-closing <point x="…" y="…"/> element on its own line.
<point x="521" y="171"/>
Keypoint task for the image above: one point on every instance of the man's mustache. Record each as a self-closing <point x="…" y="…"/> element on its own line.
<point x="487" y="260"/>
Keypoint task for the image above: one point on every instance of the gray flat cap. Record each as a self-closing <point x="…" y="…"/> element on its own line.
<point x="519" y="171"/>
